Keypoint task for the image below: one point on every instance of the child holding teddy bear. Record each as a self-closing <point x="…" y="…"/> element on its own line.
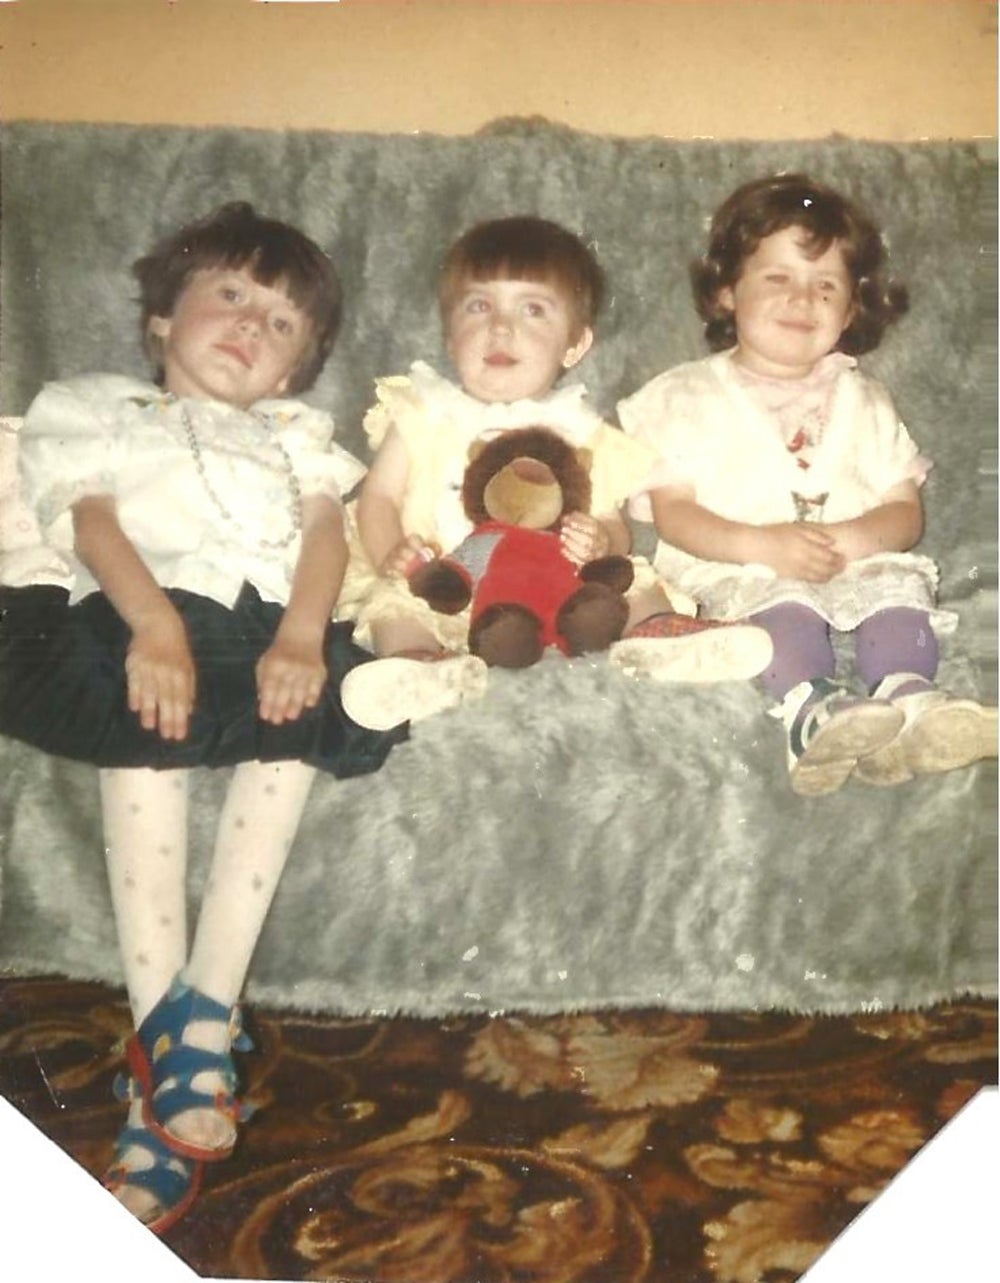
<point x="518" y="299"/>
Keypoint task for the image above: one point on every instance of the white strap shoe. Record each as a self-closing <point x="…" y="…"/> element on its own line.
<point x="829" y="730"/>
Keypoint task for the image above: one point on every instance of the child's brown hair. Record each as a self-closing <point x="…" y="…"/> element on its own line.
<point x="528" y="248"/>
<point x="236" y="236"/>
<point x="767" y="205"/>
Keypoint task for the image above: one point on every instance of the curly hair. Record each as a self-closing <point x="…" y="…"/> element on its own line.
<point x="527" y="248"/>
<point x="760" y="208"/>
<point x="236" y="236"/>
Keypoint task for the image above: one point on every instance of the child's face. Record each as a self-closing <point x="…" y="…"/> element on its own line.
<point x="790" y="309"/>
<point x="511" y="339"/>
<point x="231" y="339"/>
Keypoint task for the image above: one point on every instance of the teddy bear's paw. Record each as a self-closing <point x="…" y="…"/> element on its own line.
<point x="390" y="691"/>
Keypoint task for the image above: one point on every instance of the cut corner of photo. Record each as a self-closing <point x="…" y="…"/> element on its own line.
<point x="97" y="1237"/>
<point x="935" y="1221"/>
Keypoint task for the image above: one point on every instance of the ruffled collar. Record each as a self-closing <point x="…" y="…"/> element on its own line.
<point x="777" y="393"/>
<point x="566" y="409"/>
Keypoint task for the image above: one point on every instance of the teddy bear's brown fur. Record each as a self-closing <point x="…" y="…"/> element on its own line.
<point x="524" y="591"/>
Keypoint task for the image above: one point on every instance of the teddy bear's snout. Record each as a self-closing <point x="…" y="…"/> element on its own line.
<point x="533" y="471"/>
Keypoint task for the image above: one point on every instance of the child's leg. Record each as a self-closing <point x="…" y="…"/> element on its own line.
<point x="404" y="637"/>
<point x="897" y="658"/>
<point x="803" y="650"/>
<point x="259" y="820"/>
<point x="145" y="835"/>
<point x="899" y="640"/>
<point x="829" y="729"/>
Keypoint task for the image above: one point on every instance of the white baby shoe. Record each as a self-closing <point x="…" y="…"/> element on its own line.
<point x="679" y="648"/>
<point x="829" y="730"/>
<point x="940" y="732"/>
<point x="387" y="692"/>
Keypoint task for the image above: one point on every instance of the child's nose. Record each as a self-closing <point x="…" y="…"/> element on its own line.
<point x="250" y="320"/>
<point x="500" y="322"/>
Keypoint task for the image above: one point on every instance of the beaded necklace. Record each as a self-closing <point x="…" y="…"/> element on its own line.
<point x="292" y="482"/>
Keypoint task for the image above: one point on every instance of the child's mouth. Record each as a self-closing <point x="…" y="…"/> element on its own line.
<point x="500" y="359"/>
<point x="231" y="349"/>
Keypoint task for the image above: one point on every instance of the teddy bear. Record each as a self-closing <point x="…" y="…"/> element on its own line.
<point x="525" y="593"/>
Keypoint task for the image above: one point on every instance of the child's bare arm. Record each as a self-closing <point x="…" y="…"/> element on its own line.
<point x="292" y="672"/>
<point x="380" y="504"/>
<point x="159" y="668"/>
<point x="795" y="550"/>
<point x="894" y="526"/>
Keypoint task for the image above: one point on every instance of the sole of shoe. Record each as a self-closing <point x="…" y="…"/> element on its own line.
<point x="885" y="768"/>
<point x="946" y="738"/>
<point x="836" y="747"/>
<point x="818" y="780"/>
<point x="388" y="692"/>
<point x="729" y="654"/>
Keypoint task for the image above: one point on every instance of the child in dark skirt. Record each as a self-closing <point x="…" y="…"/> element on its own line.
<point x="201" y="516"/>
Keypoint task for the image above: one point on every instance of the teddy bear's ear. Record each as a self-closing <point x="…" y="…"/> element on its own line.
<point x="585" y="458"/>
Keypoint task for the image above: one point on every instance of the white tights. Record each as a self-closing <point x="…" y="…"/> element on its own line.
<point x="145" y="834"/>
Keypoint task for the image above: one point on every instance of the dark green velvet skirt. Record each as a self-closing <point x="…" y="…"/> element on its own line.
<point x="63" y="689"/>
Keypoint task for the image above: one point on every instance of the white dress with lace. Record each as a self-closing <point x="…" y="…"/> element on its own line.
<point x="712" y="434"/>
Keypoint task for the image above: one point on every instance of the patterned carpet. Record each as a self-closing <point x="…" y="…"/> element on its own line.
<point x="639" y="1147"/>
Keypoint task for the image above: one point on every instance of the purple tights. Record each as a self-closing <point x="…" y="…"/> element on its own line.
<point x="897" y="640"/>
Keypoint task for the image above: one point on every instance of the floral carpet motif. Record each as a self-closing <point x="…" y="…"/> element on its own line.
<point x="613" y="1147"/>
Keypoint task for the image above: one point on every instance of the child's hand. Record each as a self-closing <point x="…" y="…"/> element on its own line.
<point x="291" y="675"/>
<point x="800" y="550"/>
<point x="406" y="555"/>
<point x="160" y="674"/>
<point x="584" y="538"/>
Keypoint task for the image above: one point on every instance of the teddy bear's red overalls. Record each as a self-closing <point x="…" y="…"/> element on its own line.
<point x="506" y="563"/>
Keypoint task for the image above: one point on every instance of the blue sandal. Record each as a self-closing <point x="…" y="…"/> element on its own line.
<point x="165" y="1068"/>
<point x="172" y="1180"/>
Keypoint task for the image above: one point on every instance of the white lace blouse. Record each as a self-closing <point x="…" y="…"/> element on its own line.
<point x="206" y="492"/>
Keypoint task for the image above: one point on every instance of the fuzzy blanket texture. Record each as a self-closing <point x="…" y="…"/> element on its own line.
<point x="579" y="839"/>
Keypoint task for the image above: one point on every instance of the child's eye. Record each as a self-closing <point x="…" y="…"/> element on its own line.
<point x="776" y="278"/>
<point x="477" y="305"/>
<point x="230" y="293"/>
<point x="535" y="309"/>
<point x="283" y="325"/>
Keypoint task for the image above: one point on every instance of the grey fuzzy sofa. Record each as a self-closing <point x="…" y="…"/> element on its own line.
<point x="580" y="839"/>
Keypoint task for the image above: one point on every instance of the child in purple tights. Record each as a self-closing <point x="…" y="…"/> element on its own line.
<point x="794" y="491"/>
